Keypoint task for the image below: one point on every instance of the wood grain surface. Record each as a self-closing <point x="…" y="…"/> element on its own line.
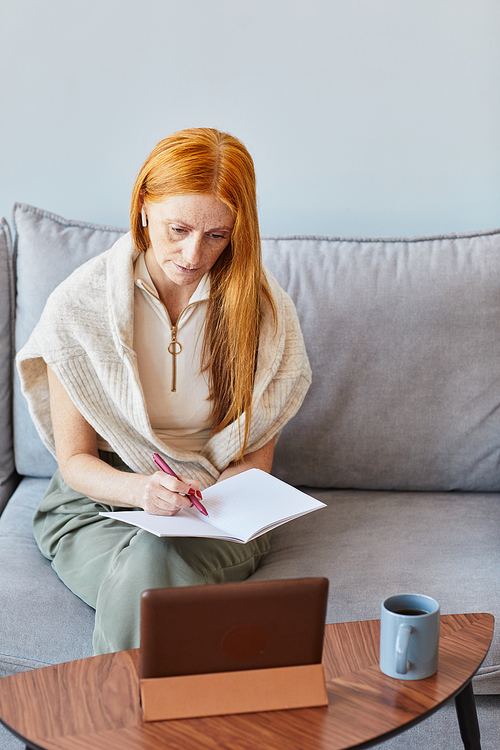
<point x="94" y="703"/>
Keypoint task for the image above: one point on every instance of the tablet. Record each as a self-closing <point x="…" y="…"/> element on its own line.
<point x="227" y="627"/>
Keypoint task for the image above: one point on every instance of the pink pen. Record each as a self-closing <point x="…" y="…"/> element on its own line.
<point x="166" y="468"/>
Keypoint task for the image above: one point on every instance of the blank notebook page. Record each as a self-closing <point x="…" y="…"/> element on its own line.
<point x="253" y="500"/>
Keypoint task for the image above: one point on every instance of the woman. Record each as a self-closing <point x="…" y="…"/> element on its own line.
<point x="174" y="341"/>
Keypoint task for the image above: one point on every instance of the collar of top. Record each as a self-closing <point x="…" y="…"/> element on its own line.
<point x="145" y="282"/>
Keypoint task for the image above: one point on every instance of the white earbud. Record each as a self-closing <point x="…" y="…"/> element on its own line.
<point x="144" y="218"/>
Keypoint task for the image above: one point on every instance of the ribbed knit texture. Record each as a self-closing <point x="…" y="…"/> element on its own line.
<point x="85" y="334"/>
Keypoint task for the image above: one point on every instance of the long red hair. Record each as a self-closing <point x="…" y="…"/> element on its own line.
<point x="206" y="161"/>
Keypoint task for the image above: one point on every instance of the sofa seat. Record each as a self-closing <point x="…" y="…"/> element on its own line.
<point x="363" y="541"/>
<point x="52" y="624"/>
<point x="374" y="544"/>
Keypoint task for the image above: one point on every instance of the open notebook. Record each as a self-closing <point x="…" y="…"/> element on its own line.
<point x="240" y="509"/>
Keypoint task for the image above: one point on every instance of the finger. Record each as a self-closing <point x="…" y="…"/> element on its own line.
<point x="172" y="484"/>
<point x="193" y="487"/>
<point x="172" y="498"/>
<point x="166" y="507"/>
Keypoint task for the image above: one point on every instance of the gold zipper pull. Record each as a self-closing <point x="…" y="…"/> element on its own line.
<point x="174" y="348"/>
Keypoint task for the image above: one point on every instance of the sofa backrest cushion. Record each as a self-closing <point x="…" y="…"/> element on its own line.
<point x="404" y="342"/>
<point x="6" y="349"/>
<point x="403" y="339"/>
<point x="47" y="249"/>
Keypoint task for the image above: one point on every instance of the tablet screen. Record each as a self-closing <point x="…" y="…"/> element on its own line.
<point x="231" y="626"/>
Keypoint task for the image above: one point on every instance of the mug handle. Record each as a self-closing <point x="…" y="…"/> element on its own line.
<point x="402" y="641"/>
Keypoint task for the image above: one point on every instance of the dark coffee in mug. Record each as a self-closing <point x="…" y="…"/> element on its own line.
<point x="410" y="612"/>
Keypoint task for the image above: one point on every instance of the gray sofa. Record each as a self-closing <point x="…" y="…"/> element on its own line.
<point x="399" y="435"/>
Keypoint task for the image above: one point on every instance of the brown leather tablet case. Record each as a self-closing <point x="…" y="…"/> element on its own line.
<point x="191" y="635"/>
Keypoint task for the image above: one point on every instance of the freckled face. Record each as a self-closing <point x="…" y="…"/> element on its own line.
<point x="188" y="233"/>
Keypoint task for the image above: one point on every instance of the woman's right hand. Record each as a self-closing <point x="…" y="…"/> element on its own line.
<point x="164" y="495"/>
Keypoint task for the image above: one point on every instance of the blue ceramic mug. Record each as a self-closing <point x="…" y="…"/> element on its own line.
<point x="409" y="636"/>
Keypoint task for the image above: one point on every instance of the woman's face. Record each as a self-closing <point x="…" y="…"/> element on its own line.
<point x="188" y="233"/>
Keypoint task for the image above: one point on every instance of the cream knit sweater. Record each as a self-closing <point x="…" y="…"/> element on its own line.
<point x="85" y="334"/>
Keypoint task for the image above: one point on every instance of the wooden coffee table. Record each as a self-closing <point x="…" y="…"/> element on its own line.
<point x="93" y="704"/>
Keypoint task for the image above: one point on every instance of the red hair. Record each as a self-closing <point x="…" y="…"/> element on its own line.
<point x="208" y="162"/>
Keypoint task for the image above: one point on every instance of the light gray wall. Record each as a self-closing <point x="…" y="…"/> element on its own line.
<point x="364" y="117"/>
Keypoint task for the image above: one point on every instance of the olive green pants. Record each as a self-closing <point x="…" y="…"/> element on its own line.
<point x="108" y="563"/>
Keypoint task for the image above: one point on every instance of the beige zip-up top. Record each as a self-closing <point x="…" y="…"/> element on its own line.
<point x="169" y="362"/>
<point x="85" y="334"/>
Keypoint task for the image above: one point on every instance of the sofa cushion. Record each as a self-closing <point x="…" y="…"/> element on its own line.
<point x="45" y="241"/>
<point x="51" y="623"/>
<point x="6" y="350"/>
<point x="405" y="351"/>
<point x="371" y="545"/>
